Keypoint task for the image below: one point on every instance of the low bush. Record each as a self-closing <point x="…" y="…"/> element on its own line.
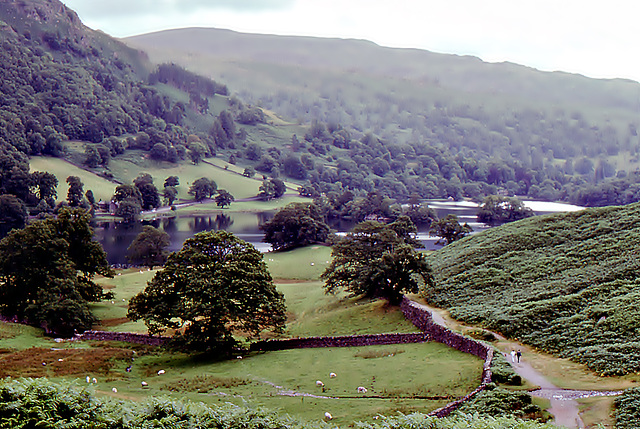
<point x="627" y="409"/>
<point x="502" y="372"/>
<point x="501" y="402"/>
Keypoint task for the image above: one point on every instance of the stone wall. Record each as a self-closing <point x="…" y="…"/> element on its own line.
<point x="421" y="317"/>
<point x="127" y="337"/>
<point x="340" y="341"/>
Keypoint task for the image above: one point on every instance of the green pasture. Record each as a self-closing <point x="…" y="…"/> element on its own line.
<point x="306" y="263"/>
<point x="398" y="378"/>
<point x="102" y="188"/>
<point x="405" y="378"/>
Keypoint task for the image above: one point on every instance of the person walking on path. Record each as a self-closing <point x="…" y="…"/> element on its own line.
<point x="519" y="355"/>
<point x="513" y="355"/>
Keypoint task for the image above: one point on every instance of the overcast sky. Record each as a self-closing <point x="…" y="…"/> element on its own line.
<point x="594" y="38"/>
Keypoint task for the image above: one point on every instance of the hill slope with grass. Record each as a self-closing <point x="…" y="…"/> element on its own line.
<point x="463" y="123"/>
<point x="565" y="283"/>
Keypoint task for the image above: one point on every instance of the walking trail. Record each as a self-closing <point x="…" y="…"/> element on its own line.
<point x="563" y="404"/>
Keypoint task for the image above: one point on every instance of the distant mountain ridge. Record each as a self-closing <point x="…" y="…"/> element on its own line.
<point x="468" y="73"/>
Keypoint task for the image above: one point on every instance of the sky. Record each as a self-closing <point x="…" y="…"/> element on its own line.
<point x="594" y="38"/>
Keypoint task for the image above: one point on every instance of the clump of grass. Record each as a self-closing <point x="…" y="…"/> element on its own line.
<point x="205" y="384"/>
<point x="373" y="354"/>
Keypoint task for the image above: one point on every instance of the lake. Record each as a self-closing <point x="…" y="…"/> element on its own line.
<point x="116" y="237"/>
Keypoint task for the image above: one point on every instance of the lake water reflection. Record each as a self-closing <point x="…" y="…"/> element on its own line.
<point x="116" y="237"/>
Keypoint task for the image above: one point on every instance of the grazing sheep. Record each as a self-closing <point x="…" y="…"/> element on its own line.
<point x="328" y="416"/>
<point x="114" y="390"/>
<point x="144" y="384"/>
<point x="88" y="379"/>
<point x="319" y="383"/>
<point x="332" y="375"/>
<point x="94" y="380"/>
<point x="362" y="389"/>
<point x="161" y="372"/>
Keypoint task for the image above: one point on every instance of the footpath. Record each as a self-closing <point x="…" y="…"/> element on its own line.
<point x="563" y="402"/>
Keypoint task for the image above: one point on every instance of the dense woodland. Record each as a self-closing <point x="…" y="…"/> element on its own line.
<point x="67" y="83"/>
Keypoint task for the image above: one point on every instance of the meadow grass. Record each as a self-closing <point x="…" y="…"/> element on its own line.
<point x="420" y="378"/>
<point x="398" y="378"/>
<point x="102" y="188"/>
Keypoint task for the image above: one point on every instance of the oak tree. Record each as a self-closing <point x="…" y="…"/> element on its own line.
<point x="149" y="248"/>
<point x="215" y="286"/>
<point x="295" y="225"/>
<point x="47" y="270"/>
<point x="376" y="261"/>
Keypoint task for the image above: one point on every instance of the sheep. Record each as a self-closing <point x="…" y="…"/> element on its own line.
<point x="161" y="372"/>
<point x="144" y="384"/>
<point x="332" y="375"/>
<point x="94" y="380"/>
<point x="319" y="383"/>
<point x="328" y="416"/>
<point x="88" y="379"/>
<point x="114" y="390"/>
<point x="362" y="389"/>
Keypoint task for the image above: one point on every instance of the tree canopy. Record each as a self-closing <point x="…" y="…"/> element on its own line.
<point x="449" y="229"/>
<point x="149" y="248"/>
<point x="215" y="286"/>
<point x="203" y="188"/>
<point x="496" y="209"/>
<point x="47" y="270"/>
<point x="376" y="261"/>
<point x="295" y="225"/>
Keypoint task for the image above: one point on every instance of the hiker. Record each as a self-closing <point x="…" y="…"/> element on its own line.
<point x="519" y="355"/>
<point x="513" y="355"/>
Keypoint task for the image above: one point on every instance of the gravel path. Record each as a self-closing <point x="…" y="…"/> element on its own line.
<point x="563" y="405"/>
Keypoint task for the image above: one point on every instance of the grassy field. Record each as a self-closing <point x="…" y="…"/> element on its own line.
<point x="102" y="188"/>
<point x="405" y="378"/>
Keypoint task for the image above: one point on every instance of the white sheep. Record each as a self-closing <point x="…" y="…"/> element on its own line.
<point x="319" y="383"/>
<point x="332" y="375"/>
<point x="161" y="372"/>
<point x="94" y="380"/>
<point x="88" y="379"/>
<point x="362" y="389"/>
<point x="328" y="416"/>
<point x="144" y="384"/>
<point x="114" y="390"/>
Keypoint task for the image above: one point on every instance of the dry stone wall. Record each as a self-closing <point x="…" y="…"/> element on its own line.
<point x="418" y="314"/>
<point x="421" y="317"/>
<point x="127" y="337"/>
<point x="340" y="341"/>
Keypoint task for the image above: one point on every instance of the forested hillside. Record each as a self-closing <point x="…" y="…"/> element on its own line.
<point x="437" y="125"/>
<point x="566" y="283"/>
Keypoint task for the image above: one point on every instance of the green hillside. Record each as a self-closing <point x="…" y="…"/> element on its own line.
<point x="566" y="283"/>
<point x="449" y="125"/>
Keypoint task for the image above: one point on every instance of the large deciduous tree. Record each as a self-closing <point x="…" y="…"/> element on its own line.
<point x="217" y="285"/>
<point x="13" y="214"/>
<point x="449" y="229"/>
<point x="47" y="270"/>
<point x="295" y="225"/>
<point x="224" y="198"/>
<point x="496" y="209"/>
<point x="203" y="188"/>
<point x="375" y="260"/>
<point x="149" y="248"/>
